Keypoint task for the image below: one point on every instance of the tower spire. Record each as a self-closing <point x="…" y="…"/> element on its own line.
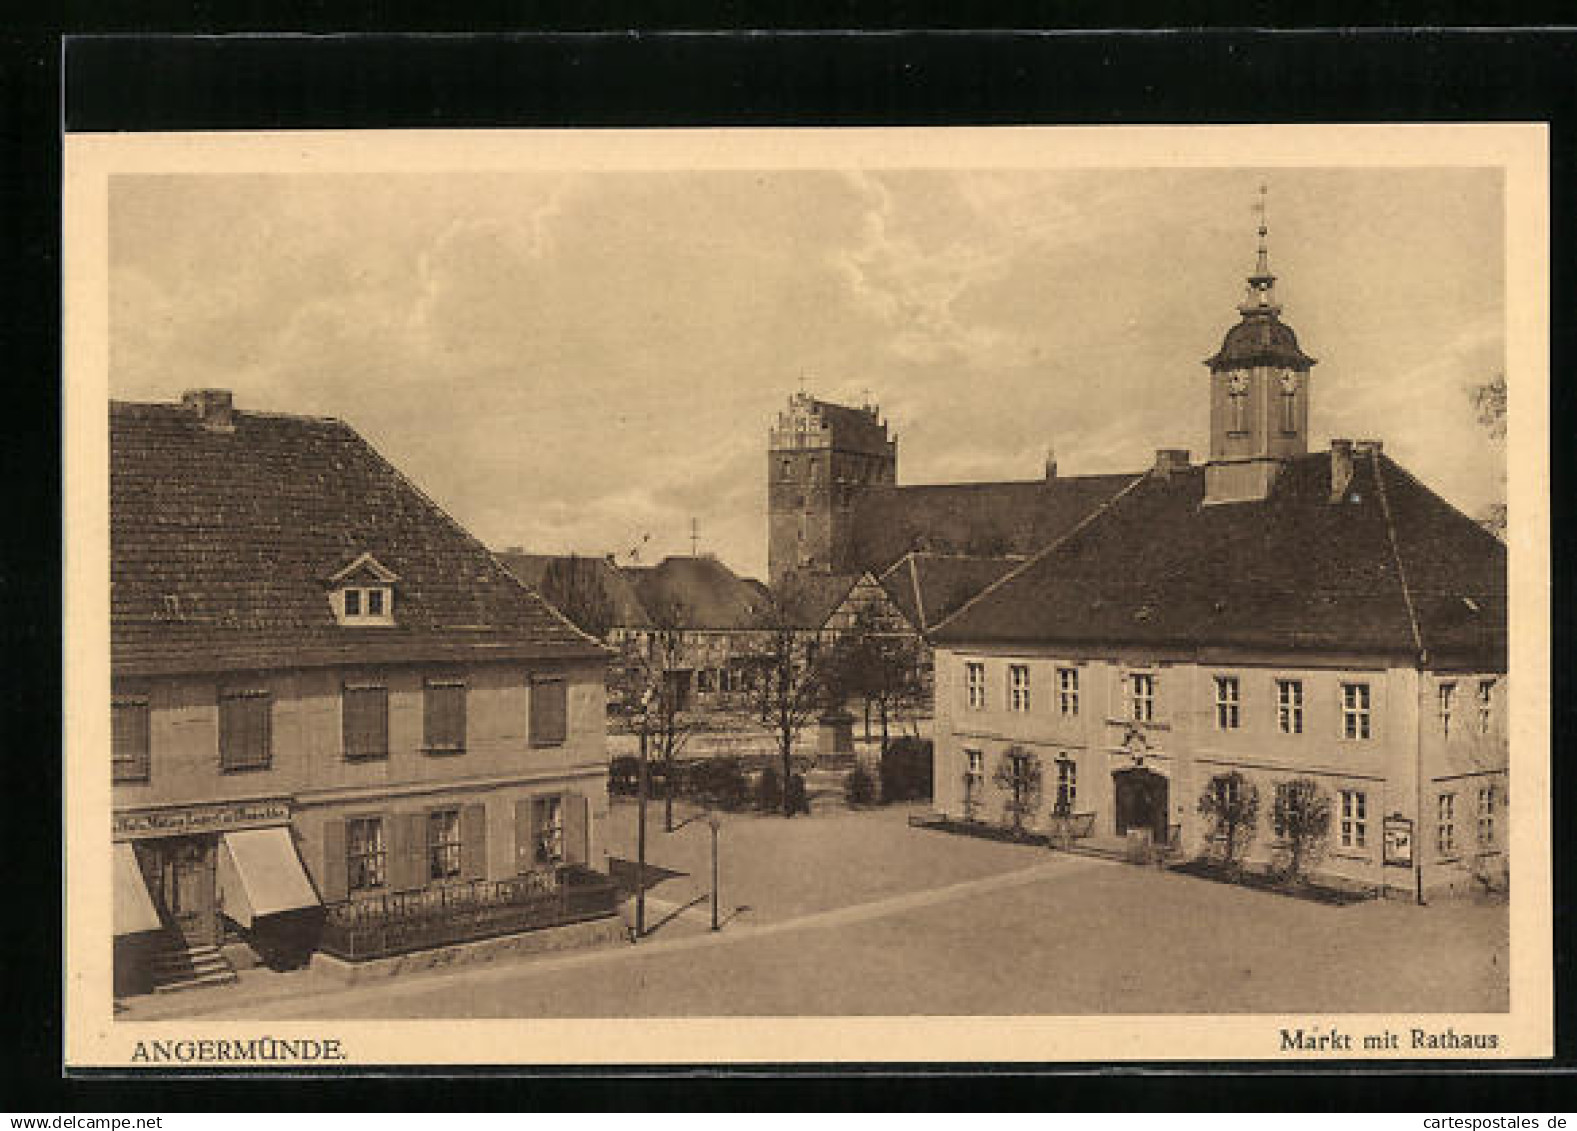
<point x="1261" y="297"/>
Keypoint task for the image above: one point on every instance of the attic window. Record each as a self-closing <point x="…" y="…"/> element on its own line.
<point x="362" y="594"/>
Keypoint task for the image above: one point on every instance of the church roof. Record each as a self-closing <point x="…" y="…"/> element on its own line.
<point x="224" y="541"/>
<point x="1260" y="338"/>
<point x="980" y="519"/>
<point x="1391" y="568"/>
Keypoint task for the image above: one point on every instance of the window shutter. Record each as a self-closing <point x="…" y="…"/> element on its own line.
<point x="334" y="875"/>
<point x="549" y="711"/>
<point x="574" y="828"/>
<point x="407" y="860"/>
<point x="129" y="740"/>
<point x="366" y="721"/>
<point x="444" y="715"/>
<point x="245" y="738"/>
<point x="523" y="849"/>
<point x="473" y="842"/>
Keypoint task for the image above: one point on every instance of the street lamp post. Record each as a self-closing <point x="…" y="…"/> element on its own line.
<point x="716" y="823"/>
<point x="643" y="791"/>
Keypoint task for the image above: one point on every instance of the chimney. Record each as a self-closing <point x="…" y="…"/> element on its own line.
<point x="1341" y="469"/>
<point x="1168" y="460"/>
<point x="1369" y="447"/>
<point x="1051" y="462"/>
<point x="212" y="408"/>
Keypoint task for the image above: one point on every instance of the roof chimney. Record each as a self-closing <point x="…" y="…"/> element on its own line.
<point x="1369" y="447"/>
<point x="1051" y="462"/>
<point x="1341" y="469"/>
<point x="212" y="407"/>
<point x="1168" y="460"/>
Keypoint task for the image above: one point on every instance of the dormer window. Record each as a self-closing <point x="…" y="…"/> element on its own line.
<point x="362" y="594"/>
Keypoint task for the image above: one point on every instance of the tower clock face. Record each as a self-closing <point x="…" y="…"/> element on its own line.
<point x="1237" y="383"/>
<point x="1289" y="382"/>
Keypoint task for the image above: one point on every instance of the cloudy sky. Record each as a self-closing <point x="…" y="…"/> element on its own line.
<point x="571" y="362"/>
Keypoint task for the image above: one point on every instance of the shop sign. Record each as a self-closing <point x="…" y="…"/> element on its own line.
<point x="201" y="818"/>
<point x="1398" y="841"/>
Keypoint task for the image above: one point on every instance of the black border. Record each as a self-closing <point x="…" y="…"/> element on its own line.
<point x="136" y="82"/>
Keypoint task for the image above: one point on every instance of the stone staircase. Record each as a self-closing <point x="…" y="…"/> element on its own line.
<point x="178" y="966"/>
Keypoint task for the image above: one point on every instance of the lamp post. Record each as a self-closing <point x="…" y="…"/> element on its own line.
<point x="643" y="791"/>
<point x="714" y="822"/>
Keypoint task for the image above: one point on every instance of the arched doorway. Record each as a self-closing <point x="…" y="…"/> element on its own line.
<point x="1141" y="801"/>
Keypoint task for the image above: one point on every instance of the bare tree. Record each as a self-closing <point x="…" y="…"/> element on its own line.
<point x="1489" y="399"/>
<point x="795" y="681"/>
<point x="1018" y="772"/>
<point x="652" y="662"/>
<point x="1231" y="803"/>
<point x="572" y="586"/>
<point x="883" y="666"/>
<point x="1303" y="823"/>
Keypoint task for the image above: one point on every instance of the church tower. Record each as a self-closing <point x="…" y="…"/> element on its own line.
<point x="820" y="456"/>
<point x="1259" y="393"/>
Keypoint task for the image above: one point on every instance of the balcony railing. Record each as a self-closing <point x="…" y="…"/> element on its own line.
<point x="402" y="922"/>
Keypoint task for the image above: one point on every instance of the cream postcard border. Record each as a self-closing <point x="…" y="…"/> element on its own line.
<point x="94" y="1039"/>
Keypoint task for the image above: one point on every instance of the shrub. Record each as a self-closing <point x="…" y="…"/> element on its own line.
<point x="769" y="789"/>
<point x="719" y="782"/>
<point x="906" y="770"/>
<point x="859" y="788"/>
<point x="1231" y="804"/>
<point x="1303" y="821"/>
<point x="624" y="776"/>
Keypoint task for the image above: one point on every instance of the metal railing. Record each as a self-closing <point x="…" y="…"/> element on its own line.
<point x="402" y="922"/>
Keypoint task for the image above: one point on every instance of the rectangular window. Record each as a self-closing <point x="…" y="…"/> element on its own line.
<point x="975" y="685"/>
<point x="375" y="602"/>
<point x="364" y="721"/>
<point x="547" y="831"/>
<point x="1068" y="692"/>
<point x="1486" y="692"/>
<point x="443" y="844"/>
<point x="129" y="739"/>
<point x="366" y="856"/>
<point x="1355" y="819"/>
<point x="1486" y="816"/>
<point x="1067" y="784"/>
<point x="1018" y="687"/>
<point x="1355" y="710"/>
<point x="1445" y="697"/>
<point x="245" y="730"/>
<point x="1228" y="702"/>
<point x="1228" y="789"/>
<point x="1289" y="706"/>
<point x="443" y="716"/>
<point x="549" y="712"/>
<point x="1446" y="824"/>
<point x="974" y="762"/>
<point x="1141" y="696"/>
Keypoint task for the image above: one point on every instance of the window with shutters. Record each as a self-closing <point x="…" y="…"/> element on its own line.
<point x="547" y="831"/>
<point x="443" y="844"/>
<point x="364" y="710"/>
<point x="443" y="716"/>
<point x="549" y="712"/>
<point x="366" y="854"/>
<point x="245" y="729"/>
<point x="129" y="739"/>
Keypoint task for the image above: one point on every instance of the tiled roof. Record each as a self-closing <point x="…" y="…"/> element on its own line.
<point x="616" y="585"/>
<point x="702" y="591"/>
<point x="222" y="544"/>
<point x="812" y="598"/>
<point x="981" y="519"/>
<point x="1392" y="568"/>
<point x="929" y="588"/>
<point x="1260" y="339"/>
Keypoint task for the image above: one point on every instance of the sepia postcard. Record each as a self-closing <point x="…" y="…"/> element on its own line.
<point x="1015" y="595"/>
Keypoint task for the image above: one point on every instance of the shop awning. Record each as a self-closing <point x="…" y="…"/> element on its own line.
<point x="260" y="874"/>
<point x="134" y="909"/>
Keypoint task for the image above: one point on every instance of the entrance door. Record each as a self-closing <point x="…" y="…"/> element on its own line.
<point x="181" y="877"/>
<point x="1141" y="802"/>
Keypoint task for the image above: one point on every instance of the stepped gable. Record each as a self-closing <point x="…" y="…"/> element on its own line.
<point x="928" y="588"/>
<point x="223" y="540"/>
<point x="982" y="519"/>
<point x="1390" y="568"/>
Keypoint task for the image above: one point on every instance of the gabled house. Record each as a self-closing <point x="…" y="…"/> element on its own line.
<point x="338" y="722"/>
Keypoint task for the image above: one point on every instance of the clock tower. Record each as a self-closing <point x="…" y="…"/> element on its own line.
<point x="1259" y="393"/>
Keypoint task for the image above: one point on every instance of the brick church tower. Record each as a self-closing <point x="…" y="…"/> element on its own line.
<point x="819" y="458"/>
